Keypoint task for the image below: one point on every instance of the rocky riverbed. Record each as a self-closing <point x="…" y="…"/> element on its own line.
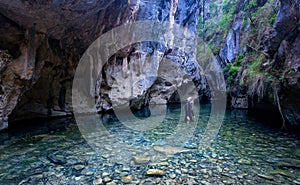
<point x="244" y="152"/>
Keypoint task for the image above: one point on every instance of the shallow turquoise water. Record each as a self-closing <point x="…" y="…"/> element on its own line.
<point x="245" y="151"/>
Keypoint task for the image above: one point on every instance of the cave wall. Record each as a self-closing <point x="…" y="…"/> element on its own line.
<point x="129" y="74"/>
<point x="47" y="38"/>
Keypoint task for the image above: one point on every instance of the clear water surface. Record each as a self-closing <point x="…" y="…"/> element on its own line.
<point x="247" y="150"/>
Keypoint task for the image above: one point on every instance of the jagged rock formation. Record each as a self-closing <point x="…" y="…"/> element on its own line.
<point x="47" y="39"/>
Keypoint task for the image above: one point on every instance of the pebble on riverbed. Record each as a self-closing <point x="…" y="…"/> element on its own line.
<point x="155" y="172"/>
<point x="126" y="179"/>
<point x="79" y="167"/>
<point x="97" y="181"/>
<point x="141" y="159"/>
<point x="265" y="176"/>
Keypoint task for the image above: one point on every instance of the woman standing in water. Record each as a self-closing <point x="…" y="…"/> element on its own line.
<point x="189" y="114"/>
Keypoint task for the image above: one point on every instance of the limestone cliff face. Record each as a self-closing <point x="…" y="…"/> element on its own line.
<point x="130" y="76"/>
<point x="47" y="39"/>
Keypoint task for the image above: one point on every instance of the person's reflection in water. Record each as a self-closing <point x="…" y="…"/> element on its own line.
<point x="189" y="114"/>
<point x="145" y="111"/>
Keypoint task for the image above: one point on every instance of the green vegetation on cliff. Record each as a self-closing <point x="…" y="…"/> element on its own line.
<point x="251" y="63"/>
<point x="214" y="26"/>
<point x="5" y="56"/>
<point x="255" y="60"/>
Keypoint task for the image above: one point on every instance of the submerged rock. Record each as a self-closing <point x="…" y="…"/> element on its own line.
<point x="141" y="159"/>
<point x="97" y="181"/>
<point x="244" y="161"/>
<point x="79" y="167"/>
<point x="126" y="168"/>
<point x="169" y="150"/>
<point x="107" y="179"/>
<point x="57" y="159"/>
<point x="265" y="176"/>
<point x="126" y="179"/>
<point x="155" y="172"/>
<point x="297" y="182"/>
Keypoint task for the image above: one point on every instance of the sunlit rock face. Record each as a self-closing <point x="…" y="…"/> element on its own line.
<point x="47" y="39"/>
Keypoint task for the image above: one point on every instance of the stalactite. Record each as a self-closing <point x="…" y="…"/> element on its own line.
<point x="173" y="9"/>
<point x="125" y="68"/>
<point x="131" y="77"/>
<point x="30" y="64"/>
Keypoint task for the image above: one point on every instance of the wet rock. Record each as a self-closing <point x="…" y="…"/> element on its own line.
<point x="172" y="175"/>
<point x="184" y="170"/>
<point x="91" y="153"/>
<point x="78" y="178"/>
<point x="97" y="181"/>
<point x="209" y="172"/>
<point x="177" y="171"/>
<point x="163" y="163"/>
<point x="205" y="182"/>
<point x="219" y="169"/>
<point x="289" y="163"/>
<point x="192" y="173"/>
<point x="155" y="172"/>
<point x="244" y="161"/>
<point x="282" y="172"/>
<point x="191" y="146"/>
<point x="141" y="159"/>
<point x="203" y="170"/>
<point x="126" y="168"/>
<point x="213" y="155"/>
<point x="106" y="156"/>
<point x="106" y="179"/>
<point x="59" y="175"/>
<point x="88" y="173"/>
<point x="11" y="177"/>
<point x="169" y="150"/>
<point x="148" y="182"/>
<point x="111" y="183"/>
<point x="265" y="176"/>
<point x="58" y="168"/>
<point x="79" y="167"/>
<point x="229" y="181"/>
<point x="57" y="159"/>
<point x="193" y="161"/>
<point x="170" y="182"/>
<point x="105" y="174"/>
<point x="240" y="176"/>
<point x="126" y="179"/>
<point x="297" y="182"/>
